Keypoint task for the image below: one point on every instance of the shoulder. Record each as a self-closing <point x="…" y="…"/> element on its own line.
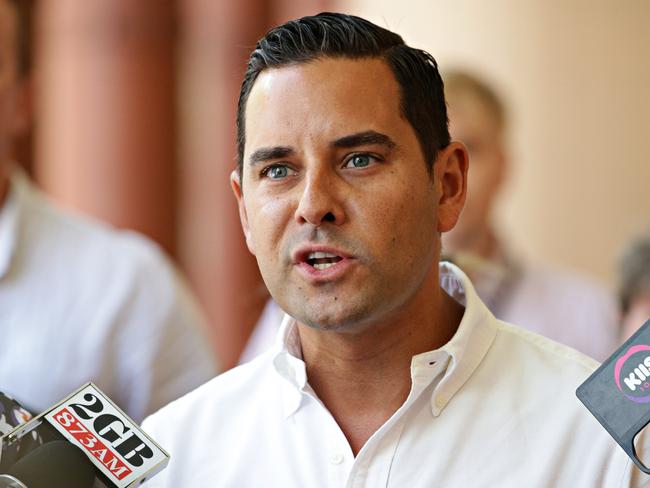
<point x="526" y="370"/>
<point x="83" y="232"/>
<point x="531" y="349"/>
<point x="535" y="388"/>
<point x="235" y="416"/>
<point x="117" y="280"/>
<point x="535" y="371"/>
<point x="83" y="244"/>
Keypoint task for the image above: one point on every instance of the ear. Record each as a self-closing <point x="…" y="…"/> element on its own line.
<point x="235" y="183"/>
<point x="450" y="179"/>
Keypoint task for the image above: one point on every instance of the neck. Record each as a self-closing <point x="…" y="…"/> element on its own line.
<point x="364" y="377"/>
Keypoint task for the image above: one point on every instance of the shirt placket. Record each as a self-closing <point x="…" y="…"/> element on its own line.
<point x="372" y="467"/>
<point x="339" y="457"/>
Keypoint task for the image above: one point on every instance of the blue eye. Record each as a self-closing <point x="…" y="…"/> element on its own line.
<point x="276" y="172"/>
<point x="359" y="161"/>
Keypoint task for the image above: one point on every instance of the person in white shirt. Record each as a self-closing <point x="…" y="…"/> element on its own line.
<point x="548" y="300"/>
<point x="388" y="369"/>
<point x="80" y="301"/>
<point x="555" y="302"/>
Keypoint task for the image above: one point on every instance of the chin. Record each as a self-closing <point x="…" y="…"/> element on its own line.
<point x="322" y="319"/>
<point x="334" y="318"/>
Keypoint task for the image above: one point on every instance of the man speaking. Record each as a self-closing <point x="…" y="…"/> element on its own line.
<point x="388" y="370"/>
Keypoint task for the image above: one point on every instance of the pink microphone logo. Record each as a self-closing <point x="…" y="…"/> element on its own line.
<point x="632" y="373"/>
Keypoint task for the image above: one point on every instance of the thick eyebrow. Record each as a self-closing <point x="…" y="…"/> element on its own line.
<point x="269" y="153"/>
<point x="265" y="154"/>
<point x="364" y="138"/>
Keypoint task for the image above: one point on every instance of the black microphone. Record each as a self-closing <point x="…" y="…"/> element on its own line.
<point x="57" y="464"/>
<point x="122" y="454"/>
<point x="618" y="393"/>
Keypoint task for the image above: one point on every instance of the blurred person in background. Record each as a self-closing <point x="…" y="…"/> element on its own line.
<point x="553" y="302"/>
<point x="634" y="285"/>
<point x="80" y="301"/>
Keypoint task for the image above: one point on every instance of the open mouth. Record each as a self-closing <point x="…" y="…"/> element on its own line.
<point x="322" y="260"/>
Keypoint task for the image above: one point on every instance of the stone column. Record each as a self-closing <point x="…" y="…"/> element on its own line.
<point x="216" y="38"/>
<point x="105" y="106"/>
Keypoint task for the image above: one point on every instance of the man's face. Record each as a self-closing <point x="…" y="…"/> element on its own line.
<point x="472" y="123"/>
<point x="11" y="121"/>
<point x="337" y="203"/>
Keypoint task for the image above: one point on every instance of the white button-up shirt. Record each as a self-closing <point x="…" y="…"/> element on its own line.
<point x="494" y="407"/>
<point x="81" y="302"/>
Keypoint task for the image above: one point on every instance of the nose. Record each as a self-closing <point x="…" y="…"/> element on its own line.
<point x="320" y="201"/>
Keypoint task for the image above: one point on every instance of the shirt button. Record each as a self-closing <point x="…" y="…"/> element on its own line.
<point x="336" y="458"/>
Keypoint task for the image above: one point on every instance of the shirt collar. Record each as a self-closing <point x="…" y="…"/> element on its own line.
<point x="472" y="339"/>
<point x="455" y="362"/>
<point x="288" y="363"/>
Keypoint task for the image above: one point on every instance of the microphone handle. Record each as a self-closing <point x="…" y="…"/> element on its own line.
<point x="8" y="481"/>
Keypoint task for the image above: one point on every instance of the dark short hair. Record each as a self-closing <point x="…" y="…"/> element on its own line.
<point x="634" y="271"/>
<point x="337" y="35"/>
<point x="23" y="34"/>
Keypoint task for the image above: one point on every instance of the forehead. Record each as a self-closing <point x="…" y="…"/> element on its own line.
<point x="324" y="98"/>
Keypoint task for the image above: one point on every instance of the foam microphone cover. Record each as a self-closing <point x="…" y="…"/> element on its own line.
<point x="56" y="464"/>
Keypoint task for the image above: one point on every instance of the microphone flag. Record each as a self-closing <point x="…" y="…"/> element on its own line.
<point x="618" y="393"/>
<point x="124" y="456"/>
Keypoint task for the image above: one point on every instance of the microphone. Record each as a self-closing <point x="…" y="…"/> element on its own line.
<point x="122" y="454"/>
<point x="618" y="393"/>
<point x="57" y="464"/>
<point x="13" y="414"/>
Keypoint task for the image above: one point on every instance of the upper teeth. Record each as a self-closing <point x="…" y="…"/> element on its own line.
<point x="320" y="255"/>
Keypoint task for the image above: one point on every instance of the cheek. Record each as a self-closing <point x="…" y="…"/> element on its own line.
<point x="404" y="222"/>
<point x="268" y="219"/>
